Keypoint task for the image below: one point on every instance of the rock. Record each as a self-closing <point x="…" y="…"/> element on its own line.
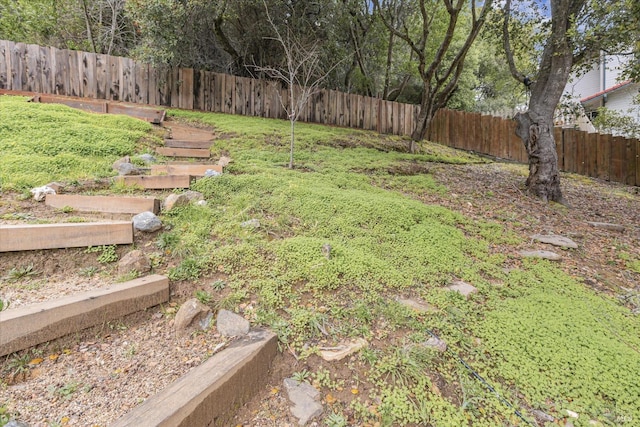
<point x="174" y="200"/>
<point x="551" y="256"/>
<point x="342" y="350"/>
<point x="224" y="161"/>
<point x="128" y="169"/>
<point x="326" y="250"/>
<point x="147" y="158"/>
<point x="571" y="413"/>
<point x="193" y="196"/>
<point x="436" y="343"/>
<point x="147" y="221"/>
<point x="305" y="399"/>
<point x="420" y="307"/>
<point x="231" y="325"/>
<point x="543" y="417"/>
<point x="211" y="172"/>
<point x="463" y="288"/>
<point x="201" y="203"/>
<point x="252" y="223"/>
<point x="134" y="261"/>
<point x="192" y="314"/>
<point x="40" y="193"/>
<point x="607" y="226"/>
<point x="117" y="163"/>
<point x="16" y="423"/>
<point x="555" y="240"/>
<point x="56" y="186"/>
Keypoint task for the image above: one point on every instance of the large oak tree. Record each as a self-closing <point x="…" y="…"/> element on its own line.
<point x="573" y="35"/>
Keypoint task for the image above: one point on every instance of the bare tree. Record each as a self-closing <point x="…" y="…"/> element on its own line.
<point x="302" y="74"/>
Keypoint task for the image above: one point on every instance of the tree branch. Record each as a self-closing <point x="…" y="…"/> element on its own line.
<point x="507" y="44"/>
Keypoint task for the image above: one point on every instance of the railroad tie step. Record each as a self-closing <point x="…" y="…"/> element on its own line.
<point x="24" y="327"/>
<point x="211" y="393"/>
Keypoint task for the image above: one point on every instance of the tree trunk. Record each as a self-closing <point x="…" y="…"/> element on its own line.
<point x="536" y="131"/>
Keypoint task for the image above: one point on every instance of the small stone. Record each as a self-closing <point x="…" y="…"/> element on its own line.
<point x="555" y="240"/>
<point x="40" y="193"/>
<point x="463" y="288"/>
<point x="607" y="226"/>
<point x="128" y="169"/>
<point x="419" y="306"/>
<point x="201" y="203"/>
<point x="342" y="350"/>
<point x="305" y="399"/>
<point x="231" y="325"/>
<point x="542" y="416"/>
<point x="117" y="163"/>
<point x="252" y="223"/>
<point x="211" y="172"/>
<point x="551" y="256"/>
<point x="147" y="221"/>
<point x="175" y="200"/>
<point x="224" y="161"/>
<point x="436" y="343"/>
<point x="147" y="158"/>
<point x="193" y="196"/>
<point x="135" y="260"/>
<point x="56" y="186"/>
<point x="326" y="250"/>
<point x="192" y="314"/>
<point x="571" y="413"/>
<point x="16" y="423"/>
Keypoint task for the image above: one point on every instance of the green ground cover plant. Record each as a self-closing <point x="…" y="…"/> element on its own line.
<point x="41" y="143"/>
<point x="340" y="237"/>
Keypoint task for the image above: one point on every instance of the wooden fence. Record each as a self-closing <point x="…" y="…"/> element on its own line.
<point x="49" y="70"/>
<point x="602" y="156"/>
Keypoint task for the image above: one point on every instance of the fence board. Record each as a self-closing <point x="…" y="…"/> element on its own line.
<point x="33" y="70"/>
<point x="75" y="82"/>
<point x="103" y="78"/>
<point x="114" y="79"/>
<point x="185" y="85"/>
<point x="569" y="145"/>
<point x="604" y="156"/>
<point x="637" y="165"/>
<point x="591" y="143"/>
<point x="61" y="84"/>
<point x="5" y="65"/>
<point x="18" y="74"/>
<point x="618" y="164"/>
<point x="581" y="152"/>
<point x="559" y="140"/>
<point x="88" y="76"/>
<point x="230" y="83"/>
<point x="141" y="83"/>
<point x="631" y="153"/>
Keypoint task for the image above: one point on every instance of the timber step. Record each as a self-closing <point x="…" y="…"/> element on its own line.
<point x="158" y="182"/>
<point x="105" y="107"/>
<point x="24" y="327"/>
<point x="68" y="235"/>
<point x="202" y="153"/>
<point x="185" y="143"/>
<point x="194" y="169"/>
<point x="109" y="204"/>
<point x="210" y="393"/>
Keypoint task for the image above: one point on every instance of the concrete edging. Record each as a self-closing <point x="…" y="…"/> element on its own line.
<point x="24" y="327"/>
<point x="210" y="394"/>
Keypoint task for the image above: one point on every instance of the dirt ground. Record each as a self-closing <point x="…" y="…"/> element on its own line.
<point x="95" y="376"/>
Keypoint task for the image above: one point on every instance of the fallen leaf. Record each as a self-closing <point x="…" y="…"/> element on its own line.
<point x="330" y="399"/>
<point x="275" y="390"/>
<point x="355" y="391"/>
<point x="54" y="356"/>
<point x="64" y="420"/>
<point x="36" y="361"/>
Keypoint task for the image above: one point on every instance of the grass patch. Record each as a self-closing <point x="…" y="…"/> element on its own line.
<point x="46" y="142"/>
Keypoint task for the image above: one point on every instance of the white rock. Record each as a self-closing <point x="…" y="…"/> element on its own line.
<point x="555" y="240"/>
<point x="552" y="256"/>
<point x="40" y="193"/>
<point x="463" y="288"/>
<point x="342" y="350"/>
